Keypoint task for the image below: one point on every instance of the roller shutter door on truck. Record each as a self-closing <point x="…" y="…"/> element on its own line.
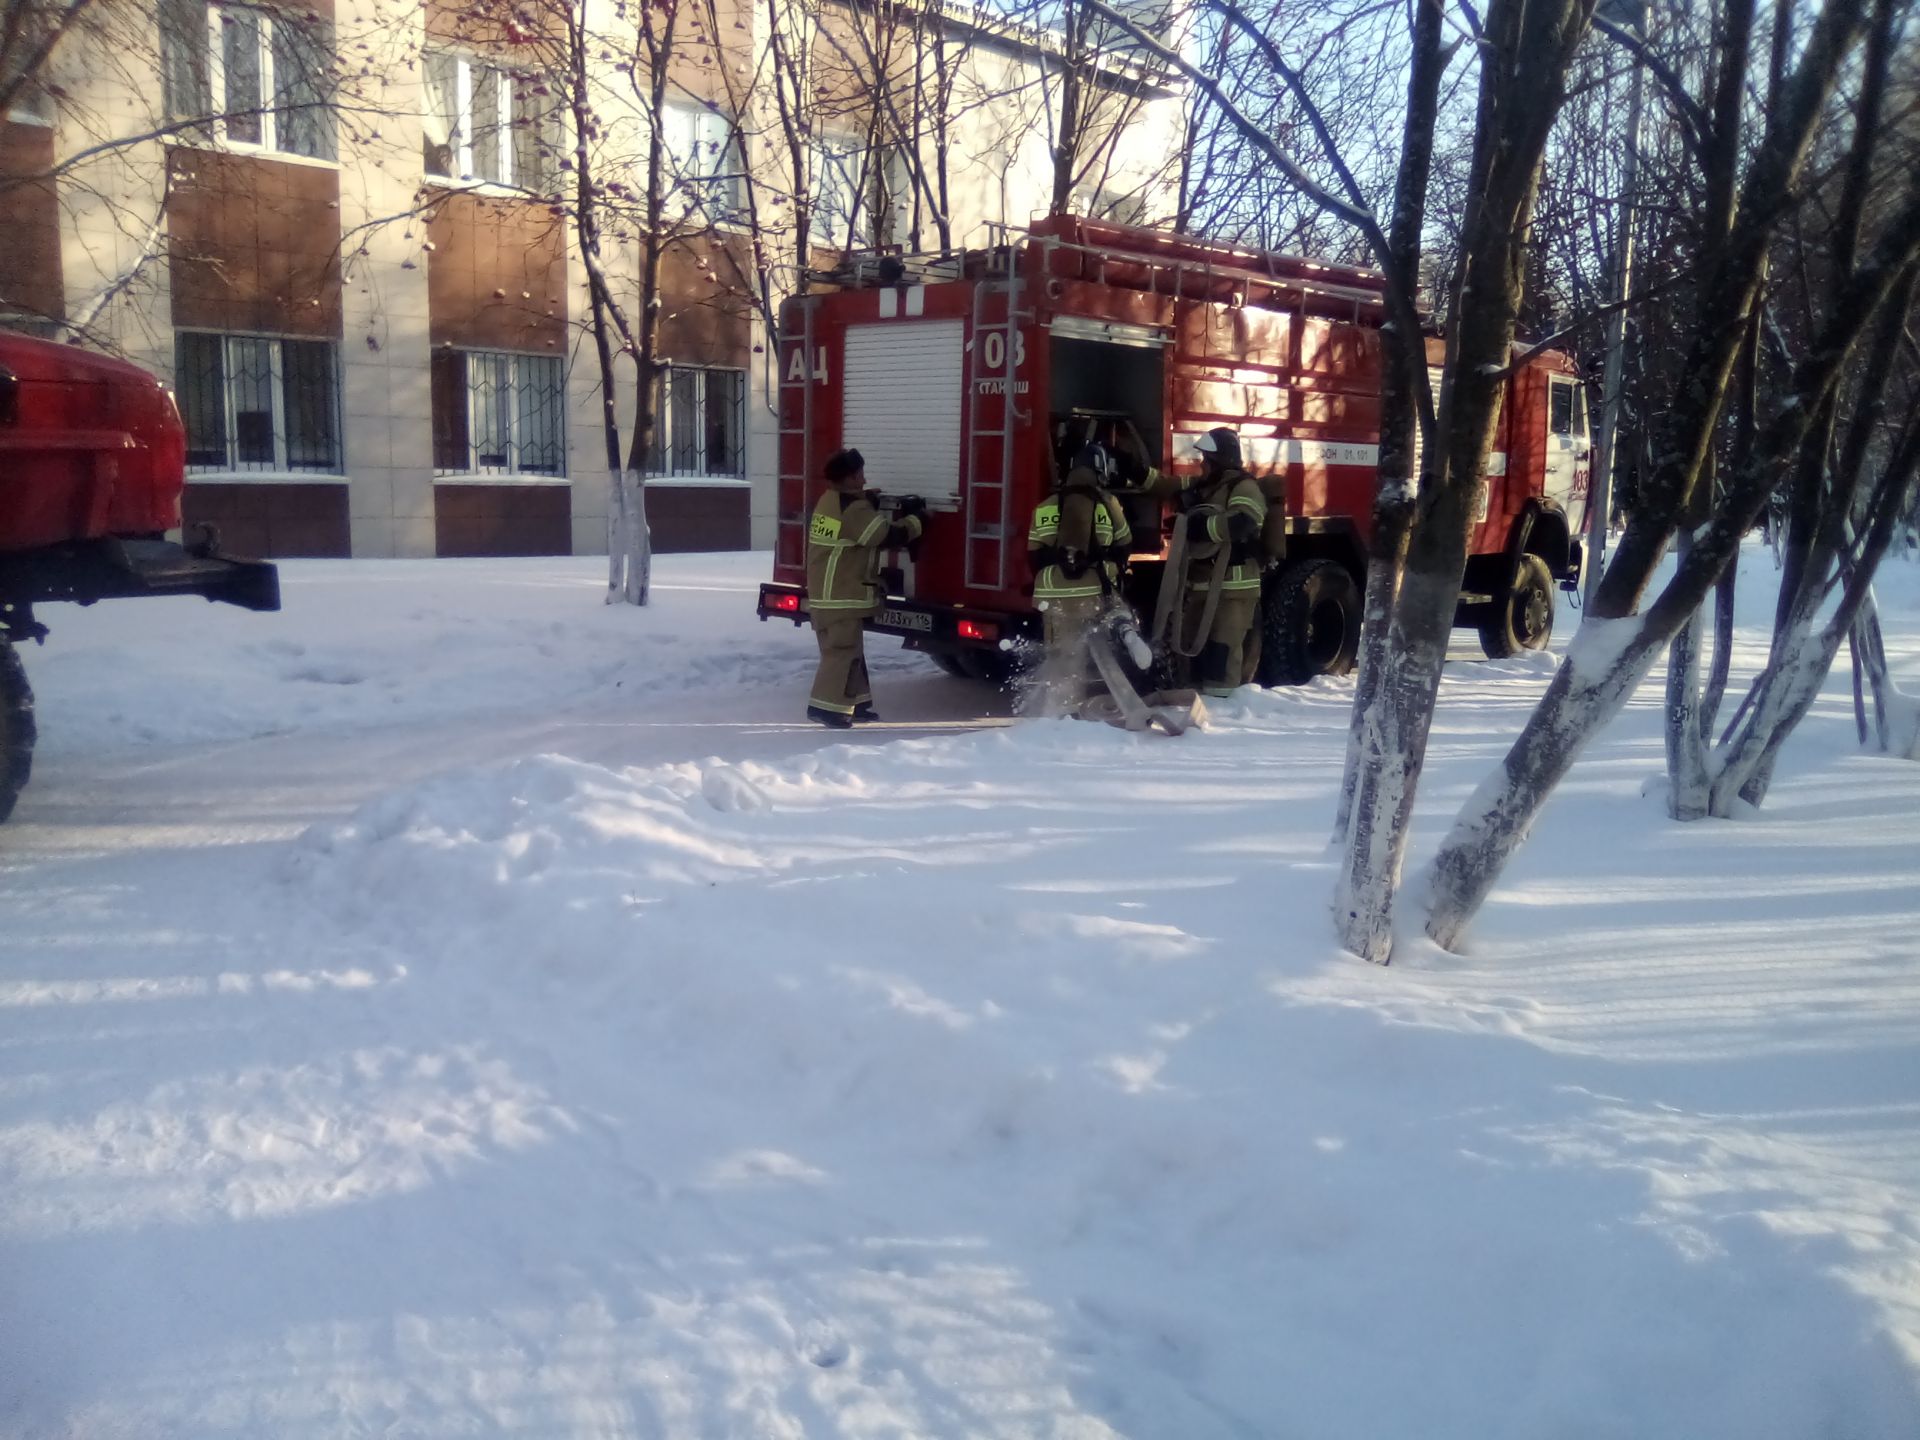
<point x="901" y="405"/>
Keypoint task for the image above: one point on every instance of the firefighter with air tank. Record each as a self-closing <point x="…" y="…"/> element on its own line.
<point x="1076" y="544"/>
<point x="846" y="536"/>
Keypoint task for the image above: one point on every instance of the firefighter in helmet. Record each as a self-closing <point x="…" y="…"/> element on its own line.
<point x="846" y="536"/>
<point x="1224" y="512"/>
<point x="1076" y="545"/>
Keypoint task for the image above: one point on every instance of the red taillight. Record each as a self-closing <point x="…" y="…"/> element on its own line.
<point x="786" y="602"/>
<point x="976" y="630"/>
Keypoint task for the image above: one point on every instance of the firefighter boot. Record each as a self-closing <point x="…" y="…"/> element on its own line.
<point x="840" y="685"/>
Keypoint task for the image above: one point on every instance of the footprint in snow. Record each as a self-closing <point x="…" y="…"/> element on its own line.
<point x="832" y="1354"/>
<point x="822" y="1344"/>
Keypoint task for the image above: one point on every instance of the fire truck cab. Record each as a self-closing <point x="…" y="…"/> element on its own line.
<point x="967" y="380"/>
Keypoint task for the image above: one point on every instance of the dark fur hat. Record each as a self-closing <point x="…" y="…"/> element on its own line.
<point x="843" y="463"/>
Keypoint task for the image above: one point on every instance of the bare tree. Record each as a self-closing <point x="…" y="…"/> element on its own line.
<point x="1525" y="54"/>
<point x="1752" y="161"/>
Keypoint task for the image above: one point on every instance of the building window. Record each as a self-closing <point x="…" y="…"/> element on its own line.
<point x="1567" y="408"/>
<point x="24" y="98"/>
<point x="247" y="77"/>
<point x="30" y="105"/>
<point x="255" y="405"/>
<point x="859" y="193"/>
<point x="1123" y="207"/>
<point x="699" y="423"/>
<point x="839" y="175"/>
<point x="496" y="413"/>
<point x="485" y="123"/>
<point x="706" y="161"/>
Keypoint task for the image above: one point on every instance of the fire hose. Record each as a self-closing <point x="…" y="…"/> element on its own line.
<point x="1173" y="583"/>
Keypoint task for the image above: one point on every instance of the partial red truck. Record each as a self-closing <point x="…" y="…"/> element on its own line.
<point x="966" y="380"/>
<point x="92" y="466"/>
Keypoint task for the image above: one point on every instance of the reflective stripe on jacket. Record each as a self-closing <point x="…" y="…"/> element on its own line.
<point x="1235" y="492"/>
<point x="844" y="540"/>
<point x="1081" y="517"/>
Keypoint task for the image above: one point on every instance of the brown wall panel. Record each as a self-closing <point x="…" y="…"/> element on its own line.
<point x="273" y="521"/>
<point x="29" y="224"/>
<point x="502" y="520"/>
<point x="687" y="518"/>
<point x="701" y="322"/>
<point x="497" y="275"/>
<point x="254" y="244"/>
<point x="456" y="23"/>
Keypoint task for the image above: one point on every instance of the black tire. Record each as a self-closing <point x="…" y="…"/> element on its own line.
<point x="949" y="662"/>
<point x="16" y="728"/>
<point x="1521" y="620"/>
<point x="992" y="667"/>
<point x="1309" y="623"/>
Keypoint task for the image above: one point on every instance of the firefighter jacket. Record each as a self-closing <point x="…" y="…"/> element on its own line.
<point x="1076" y="539"/>
<point x="844" y="541"/>
<point x="1235" y="513"/>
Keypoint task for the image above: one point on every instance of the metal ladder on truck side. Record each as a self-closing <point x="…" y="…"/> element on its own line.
<point x="791" y="468"/>
<point x="989" y="519"/>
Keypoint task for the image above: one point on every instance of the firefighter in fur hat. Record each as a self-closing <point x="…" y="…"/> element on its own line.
<point x="846" y="536"/>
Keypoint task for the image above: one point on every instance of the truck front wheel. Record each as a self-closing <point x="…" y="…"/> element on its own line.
<point x="1522" y="619"/>
<point x="1310" y="623"/>
<point x="16" y="728"/>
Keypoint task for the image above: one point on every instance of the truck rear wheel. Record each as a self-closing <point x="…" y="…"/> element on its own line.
<point x="1522" y="619"/>
<point x="949" y="662"/>
<point x="1310" y="623"/>
<point x="16" y="728"/>
<point x="993" y="667"/>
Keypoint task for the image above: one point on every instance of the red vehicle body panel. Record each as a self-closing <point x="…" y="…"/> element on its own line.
<point x="1283" y="350"/>
<point x="90" y="447"/>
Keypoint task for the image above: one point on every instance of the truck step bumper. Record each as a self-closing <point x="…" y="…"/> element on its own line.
<point x="124" y="569"/>
<point x="922" y="625"/>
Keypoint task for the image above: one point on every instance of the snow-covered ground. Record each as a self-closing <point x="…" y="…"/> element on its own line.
<point x="453" y="1007"/>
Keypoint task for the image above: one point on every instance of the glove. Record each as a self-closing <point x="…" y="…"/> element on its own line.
<point x="910" y="505"/>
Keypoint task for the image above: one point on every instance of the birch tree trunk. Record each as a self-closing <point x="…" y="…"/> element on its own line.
<point x="1896" y="714"/>
<point x="1723" y="600"/>
<point x="639" y="540"/>
<point x="1525" y="55"/>
<point x="1407" y="422"/>
<point x="1687" y="786"/>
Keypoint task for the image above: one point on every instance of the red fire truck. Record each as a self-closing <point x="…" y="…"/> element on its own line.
<point x="965" y="380"/>
<point x="92" y="465"/>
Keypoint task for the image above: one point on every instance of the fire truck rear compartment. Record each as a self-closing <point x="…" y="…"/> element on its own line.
<point x="1094" y="387"/>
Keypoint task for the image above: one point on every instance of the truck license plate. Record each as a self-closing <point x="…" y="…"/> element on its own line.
<point x="907" y="620"/>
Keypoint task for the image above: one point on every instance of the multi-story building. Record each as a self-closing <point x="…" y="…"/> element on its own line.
<point x="345" y="231"/>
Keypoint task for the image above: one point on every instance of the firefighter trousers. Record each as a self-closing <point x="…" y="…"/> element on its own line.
<point x="1218" y="668"/>
<point x="1069" y="623"/>
<point x="840" y="684"/>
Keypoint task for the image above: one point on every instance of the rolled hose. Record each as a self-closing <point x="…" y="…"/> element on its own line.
<point x="1173" y="584"/>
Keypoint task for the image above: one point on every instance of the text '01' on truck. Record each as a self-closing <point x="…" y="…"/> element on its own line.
<point x="969" y="380"/>
<point x="92" y="467"/>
